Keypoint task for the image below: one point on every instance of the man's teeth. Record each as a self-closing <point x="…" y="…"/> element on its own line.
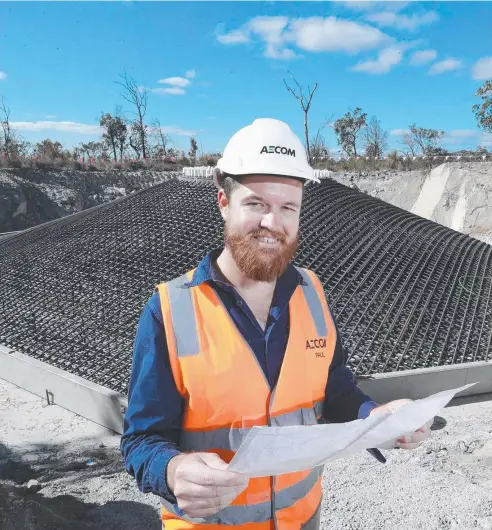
<point x="268" y="239"/>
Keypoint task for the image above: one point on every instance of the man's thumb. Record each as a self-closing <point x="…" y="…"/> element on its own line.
<point x="213" y="460"/>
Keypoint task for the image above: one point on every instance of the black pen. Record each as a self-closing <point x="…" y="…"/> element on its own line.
<point x="376" y="453"/>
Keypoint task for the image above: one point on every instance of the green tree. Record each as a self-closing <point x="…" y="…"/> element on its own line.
<point x="348" y="129"/>
<point x="92" y="149"/>
<point x="115" y="134"/>
<point x="419" y="140"/>
<point x="483" y="110"/>
<point x="49" y="149"/>
<point x="193" y="150"/>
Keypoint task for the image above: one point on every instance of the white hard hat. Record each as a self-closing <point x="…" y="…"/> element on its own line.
<point x="266" y="147"/>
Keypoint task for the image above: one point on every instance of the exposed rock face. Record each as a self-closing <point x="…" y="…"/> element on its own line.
<point x="456" y="195"/>
<point x="29" y="197"/>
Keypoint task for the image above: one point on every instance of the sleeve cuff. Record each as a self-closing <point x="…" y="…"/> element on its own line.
<point x="366" y="408"/>
<point x="159" y="472"/>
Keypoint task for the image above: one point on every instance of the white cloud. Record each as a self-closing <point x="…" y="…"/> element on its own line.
<point x="313" y="34"/>
<point x="175" y="81"/>
<point x="172" y="129"/>
<point x="273" y="52"/>
<point x="234" y="37"/>
<point x="462" y="133"/>
<point x="50" y="117"/>
<point x="447" y="65"/>
<point x="190" y="74"/>
<point x="386" y="59"/>
<point x="3" y="76"/>
<point x="423" y="56"/>
<point x="402" y="21"/>
<point x="62" y="126"/>
<point x="460" y="137"/>
<point x="318" y="34"/>
<point x="482" y="69"/>
<point x="399" y="132"/>
<point x="175" y="91"/>
<point x="485" y="140"/>
<point x="369" y="5"/>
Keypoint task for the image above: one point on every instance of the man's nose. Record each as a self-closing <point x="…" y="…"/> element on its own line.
<point x="271" y="222"/>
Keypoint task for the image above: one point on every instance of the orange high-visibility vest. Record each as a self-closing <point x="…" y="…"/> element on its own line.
<point x="226" y="394"/>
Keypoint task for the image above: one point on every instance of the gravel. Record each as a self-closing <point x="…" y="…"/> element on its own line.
<point x="81" y="483"/>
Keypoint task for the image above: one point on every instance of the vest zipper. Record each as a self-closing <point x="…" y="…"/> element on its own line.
<point x="274" y="479"/>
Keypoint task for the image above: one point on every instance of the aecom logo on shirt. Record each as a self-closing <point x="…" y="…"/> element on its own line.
<point x="278" y="149"/>
<point x="313" y="344"/>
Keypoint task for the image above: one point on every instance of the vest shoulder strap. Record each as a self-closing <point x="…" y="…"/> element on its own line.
<point x="314" y="302"/>
<point x="183" y="316"/>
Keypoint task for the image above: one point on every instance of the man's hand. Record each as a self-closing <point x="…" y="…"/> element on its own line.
<point x="408" y="441"/>
<point x="201" y="484"/>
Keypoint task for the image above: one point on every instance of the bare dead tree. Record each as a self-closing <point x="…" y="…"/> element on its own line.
<point x="136" y="96"/>
<point x="375" y="139"/>
<point x="318" y="146"/>
<point x="408" y="144"/>
<point x="160" y="135"/>
<point x="305" y="102"/>
<point x="5" y="122"/>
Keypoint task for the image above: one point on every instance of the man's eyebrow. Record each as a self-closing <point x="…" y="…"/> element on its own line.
<point x="253" y="198"/>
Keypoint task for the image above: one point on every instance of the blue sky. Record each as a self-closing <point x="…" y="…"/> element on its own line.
<point x="214" y="67"/>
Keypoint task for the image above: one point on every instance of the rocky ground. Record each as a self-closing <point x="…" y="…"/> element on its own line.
<point x="59" y="471"/>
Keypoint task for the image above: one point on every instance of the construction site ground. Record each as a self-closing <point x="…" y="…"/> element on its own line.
<point x="81" y="482"/>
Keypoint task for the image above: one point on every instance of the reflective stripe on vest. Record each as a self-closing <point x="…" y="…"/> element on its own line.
<point x="230" y="439"/>
<point x="259" y="512"/>
<point x="184" y="318"/>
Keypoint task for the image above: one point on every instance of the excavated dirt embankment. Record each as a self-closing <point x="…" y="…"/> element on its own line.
<point x="457" y="194"/>
<point x="29" y="197"/>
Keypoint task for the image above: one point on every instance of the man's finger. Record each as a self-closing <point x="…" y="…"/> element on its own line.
<point x="206" y="474"/>
<point x="200" y="491"/>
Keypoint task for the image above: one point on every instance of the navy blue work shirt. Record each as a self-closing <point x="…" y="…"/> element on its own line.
<point x="152" y="423"/>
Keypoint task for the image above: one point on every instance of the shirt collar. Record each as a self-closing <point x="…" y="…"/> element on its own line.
<point x="205" y="271"/>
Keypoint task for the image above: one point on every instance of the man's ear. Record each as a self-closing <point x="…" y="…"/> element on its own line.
<point x="223" y="203"/>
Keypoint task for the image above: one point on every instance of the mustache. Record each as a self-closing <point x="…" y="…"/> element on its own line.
<point x="267" y="233"/>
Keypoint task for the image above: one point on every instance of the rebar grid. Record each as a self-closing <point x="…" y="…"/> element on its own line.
<point x="71" y="292"/>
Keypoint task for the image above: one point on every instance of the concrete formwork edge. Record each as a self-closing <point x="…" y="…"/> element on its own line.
<point x="106" y="407"/>
<point x="422" y="382"/>
<point x="94" y="402"/>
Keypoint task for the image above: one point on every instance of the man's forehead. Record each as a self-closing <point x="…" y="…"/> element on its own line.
<point x="258" y="184"/>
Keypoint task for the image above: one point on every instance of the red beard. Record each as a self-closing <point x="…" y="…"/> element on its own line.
<point x="256" y="263"/>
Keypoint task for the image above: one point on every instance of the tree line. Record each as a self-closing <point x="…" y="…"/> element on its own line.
<point x="133" y="136"/>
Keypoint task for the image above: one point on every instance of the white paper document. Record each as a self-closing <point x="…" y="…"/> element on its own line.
<point x="269" y="451"/>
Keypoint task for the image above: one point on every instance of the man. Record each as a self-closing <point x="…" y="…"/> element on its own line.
<point x="245" y="339"/>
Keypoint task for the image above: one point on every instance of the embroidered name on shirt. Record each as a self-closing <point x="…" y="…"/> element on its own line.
<point x="315" y="344"/>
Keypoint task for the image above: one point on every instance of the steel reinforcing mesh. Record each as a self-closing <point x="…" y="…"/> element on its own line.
<point x="406" y="292"/>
